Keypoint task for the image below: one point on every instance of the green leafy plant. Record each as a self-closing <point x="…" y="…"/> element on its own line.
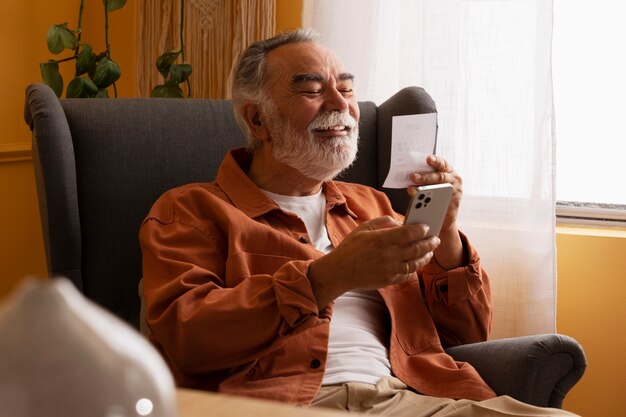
<point x="94" y="73"/>
<point x="174" y="74"/>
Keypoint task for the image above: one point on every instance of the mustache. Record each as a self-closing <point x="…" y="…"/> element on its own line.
<point x="331" y="119"/>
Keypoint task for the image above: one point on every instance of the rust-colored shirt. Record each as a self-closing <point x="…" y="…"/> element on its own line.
<point x="231" y="309"/>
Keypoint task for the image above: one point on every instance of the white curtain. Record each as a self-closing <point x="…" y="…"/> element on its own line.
<point x="487" y="65"/>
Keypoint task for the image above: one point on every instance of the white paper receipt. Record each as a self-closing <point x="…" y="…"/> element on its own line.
<point x="412" y="140"/>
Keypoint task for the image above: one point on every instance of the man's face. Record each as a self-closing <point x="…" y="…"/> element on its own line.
<point x="311" y="110"/>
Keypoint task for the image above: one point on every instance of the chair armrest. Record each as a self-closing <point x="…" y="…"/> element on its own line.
<point x="537" y="370"/>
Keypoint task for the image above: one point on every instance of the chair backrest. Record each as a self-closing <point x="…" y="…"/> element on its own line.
<point x="101" y="163"/>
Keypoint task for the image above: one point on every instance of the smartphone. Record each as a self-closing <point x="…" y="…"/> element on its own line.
<point x="429" y="205"/>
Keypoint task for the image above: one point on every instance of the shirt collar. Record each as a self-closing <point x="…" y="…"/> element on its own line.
<point x="246" y="195"/>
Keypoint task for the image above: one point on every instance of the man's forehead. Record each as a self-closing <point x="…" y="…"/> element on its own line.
<point x="306" y="61"/>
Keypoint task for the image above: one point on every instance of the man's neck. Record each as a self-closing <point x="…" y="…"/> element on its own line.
<point x="276" y="177"/>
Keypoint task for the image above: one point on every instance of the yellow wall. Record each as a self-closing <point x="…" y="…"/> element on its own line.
<point x="592" y="269"/>
<point x="23" y="41"/>
<point x="590" y="308"/>
<point x="288" y="15"/>
<point x="23" y="38"/>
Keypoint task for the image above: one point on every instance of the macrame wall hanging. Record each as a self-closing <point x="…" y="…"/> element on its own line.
<point x="216" y="31"/>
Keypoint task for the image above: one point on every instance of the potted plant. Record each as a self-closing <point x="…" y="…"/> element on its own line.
<point x="95" y="73"/>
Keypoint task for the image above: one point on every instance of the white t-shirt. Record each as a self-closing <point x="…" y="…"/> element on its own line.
<point x="357" y="350"/>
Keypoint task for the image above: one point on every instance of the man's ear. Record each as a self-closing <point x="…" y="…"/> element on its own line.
<point x="252" y="115"/>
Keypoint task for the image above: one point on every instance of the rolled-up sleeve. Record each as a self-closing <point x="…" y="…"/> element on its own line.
<point x="459" y="300"/>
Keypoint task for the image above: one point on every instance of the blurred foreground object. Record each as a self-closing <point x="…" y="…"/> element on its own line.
<point x="62" y="355"/>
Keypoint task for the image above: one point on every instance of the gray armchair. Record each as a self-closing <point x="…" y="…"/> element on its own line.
<point x="101" y="163"/>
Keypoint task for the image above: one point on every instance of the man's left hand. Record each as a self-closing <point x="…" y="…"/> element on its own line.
<point x="450" y="253"/>
<point x="442" y="173"/>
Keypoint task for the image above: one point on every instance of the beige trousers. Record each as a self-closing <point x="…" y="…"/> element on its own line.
<point x="390" y="397"/>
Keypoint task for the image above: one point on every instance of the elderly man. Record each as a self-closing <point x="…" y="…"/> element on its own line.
<point x="274" y="281"/>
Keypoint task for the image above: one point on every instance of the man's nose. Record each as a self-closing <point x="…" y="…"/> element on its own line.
<point x="335" y="100"/>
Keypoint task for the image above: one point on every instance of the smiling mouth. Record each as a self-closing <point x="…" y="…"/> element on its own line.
<point x="338" y="128"/>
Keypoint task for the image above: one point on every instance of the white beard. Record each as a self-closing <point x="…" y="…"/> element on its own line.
<point x="318" y="159"/>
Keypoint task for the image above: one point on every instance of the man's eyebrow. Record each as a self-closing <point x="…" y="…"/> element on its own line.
<point x="346" y="76"/>
<point x="314" y="76"/>
<point x="309" y="76"/>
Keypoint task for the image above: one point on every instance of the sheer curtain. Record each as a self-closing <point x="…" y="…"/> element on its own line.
<point x="487" y="66"/>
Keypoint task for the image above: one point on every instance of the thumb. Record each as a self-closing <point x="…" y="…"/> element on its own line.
<point x="383" y="222"/>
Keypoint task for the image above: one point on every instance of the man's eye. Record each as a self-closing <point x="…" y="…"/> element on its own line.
<point x="345" y="88"/>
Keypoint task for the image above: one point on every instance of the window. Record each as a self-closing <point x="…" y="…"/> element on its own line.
<point x="589" y="75"/>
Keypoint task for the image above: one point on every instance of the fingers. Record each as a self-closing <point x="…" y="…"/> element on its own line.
<point x="417" y="250"/>
<point x="442" y="173"/>
<point x="402" y="234"/>
<point x="416" y="255"/>
<point x="416" y="265"/>
<point x="386" y="232"/>
<point x="390" y="246"/>
<point x="438" y="163"/>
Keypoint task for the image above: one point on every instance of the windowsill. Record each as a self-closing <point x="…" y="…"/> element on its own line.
<point x="619" y="233"/>
<point x="591" y="215"/>
<point x="584" y="223"/>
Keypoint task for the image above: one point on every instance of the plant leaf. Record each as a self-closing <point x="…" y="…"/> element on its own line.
<point x="165" y="61"/>
<point x="107" y="72"/>
<point x="85" y="59"/>
<point x="51" y="76"/>
<point x="179" y="73"/>
<point x="94" y="64"/>
<point x="167" y="91"/>
<point x="102" y="93"/>
<point x="113" y="5"/>
<point x="60" y="38"/>
<point x="81" y="87"/>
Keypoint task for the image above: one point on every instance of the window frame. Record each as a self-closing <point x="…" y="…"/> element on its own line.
<point x="577" y="213"/>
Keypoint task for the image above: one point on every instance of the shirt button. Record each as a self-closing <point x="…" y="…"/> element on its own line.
<point x="315" y="363"/>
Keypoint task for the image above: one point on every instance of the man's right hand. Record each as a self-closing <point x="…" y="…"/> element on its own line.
<point x="376" y="254"/>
